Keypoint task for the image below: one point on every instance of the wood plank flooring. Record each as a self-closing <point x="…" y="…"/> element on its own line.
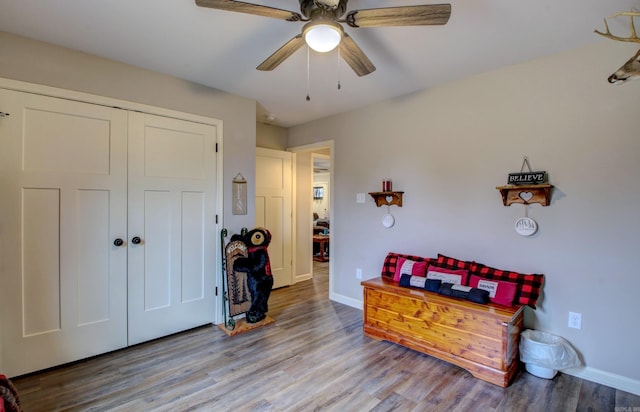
<point x="313" y="358"/>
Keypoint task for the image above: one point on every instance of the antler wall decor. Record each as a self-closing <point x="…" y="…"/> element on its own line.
<point x="631" y="69"/>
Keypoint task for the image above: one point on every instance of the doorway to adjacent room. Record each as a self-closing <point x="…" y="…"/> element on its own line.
<point x="314" y="234"/>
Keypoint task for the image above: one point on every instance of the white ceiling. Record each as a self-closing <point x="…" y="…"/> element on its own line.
<point x="321" y="164"/>
<point x="221" y="49"/>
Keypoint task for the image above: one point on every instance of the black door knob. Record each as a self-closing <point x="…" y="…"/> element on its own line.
<point x="136" y="240"/>
<point x="118" y="242"/>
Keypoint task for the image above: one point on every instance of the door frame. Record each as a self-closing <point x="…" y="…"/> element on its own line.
<point x="326" y="144"/>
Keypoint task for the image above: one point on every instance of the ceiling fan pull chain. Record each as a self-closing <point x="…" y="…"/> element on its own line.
<point x="339" y="67"/>
<point x="308" y="98"/>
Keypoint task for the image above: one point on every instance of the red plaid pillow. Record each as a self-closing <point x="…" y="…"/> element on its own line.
<point x="529" y="285"/>
<point x="453" y="263"/>
<point x="391" y="261"/>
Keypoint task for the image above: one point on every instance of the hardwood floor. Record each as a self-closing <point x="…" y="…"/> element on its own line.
<point x="314" y="357"/>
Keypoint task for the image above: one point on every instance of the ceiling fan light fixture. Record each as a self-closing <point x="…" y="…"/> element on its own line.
<point x="323" y="36"/>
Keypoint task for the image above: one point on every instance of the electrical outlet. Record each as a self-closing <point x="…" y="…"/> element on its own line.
<point x="575" y="320"/>
<point x="358" y="273"/>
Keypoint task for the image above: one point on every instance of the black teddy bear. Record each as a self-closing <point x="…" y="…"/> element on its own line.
<point x="258" y="270"/>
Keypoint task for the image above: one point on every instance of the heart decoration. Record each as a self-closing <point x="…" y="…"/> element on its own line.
<point x="526" y="196"/>
<point x="389" y="199"/>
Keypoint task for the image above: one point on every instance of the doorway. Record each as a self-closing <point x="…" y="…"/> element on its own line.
<point x="314" y="169"/>
<point x="320" y="207"/>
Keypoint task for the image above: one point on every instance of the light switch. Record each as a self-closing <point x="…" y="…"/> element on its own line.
<point x="360" y="198"/>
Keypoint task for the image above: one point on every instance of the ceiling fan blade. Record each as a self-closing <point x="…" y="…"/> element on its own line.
<point x="433" y="14"/>
<point x="355" y="57"/>
<point x="241" y="7"/>
<point x="282" y="54"/>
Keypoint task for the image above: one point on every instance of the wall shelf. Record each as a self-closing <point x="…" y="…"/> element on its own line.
<point x="387" y="198"/>
<point x="526" y="194"/>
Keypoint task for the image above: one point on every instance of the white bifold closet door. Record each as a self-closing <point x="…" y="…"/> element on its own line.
<point x="172" y="166"/>
<point x="64" y="201"/>
<point x="79" y="182"/>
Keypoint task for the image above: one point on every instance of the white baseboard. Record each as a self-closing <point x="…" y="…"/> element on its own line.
<point x="354" y="303"/>
<point x="303" y="277"/>
<point x="606" y="378"/>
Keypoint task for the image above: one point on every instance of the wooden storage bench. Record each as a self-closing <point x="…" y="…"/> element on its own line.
<point x="483" y="339"/>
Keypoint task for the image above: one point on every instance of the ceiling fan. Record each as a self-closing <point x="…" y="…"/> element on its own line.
<point x="323" y="30"/>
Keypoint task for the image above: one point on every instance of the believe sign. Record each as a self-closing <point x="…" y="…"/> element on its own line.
<point x="527" y="178"/>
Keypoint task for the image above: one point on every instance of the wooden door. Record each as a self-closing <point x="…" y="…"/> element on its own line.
<point x="274" y="209"/>
<point x="172" y="181"/>
<point x="63" y="203"/>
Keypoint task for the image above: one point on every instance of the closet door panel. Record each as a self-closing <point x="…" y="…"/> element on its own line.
<point x="41" y="261"/>
<point x="172" y="176"/>
<point x="93" y="260"/>
<point x="193" y="246"/>
<point x="64" y="202"/>
<point x="157" y="252"/>
<point x="49" y="135"/>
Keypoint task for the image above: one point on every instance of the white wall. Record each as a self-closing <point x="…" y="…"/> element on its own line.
<point x="41" y="63"/>
<point x="449" y="147"/>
